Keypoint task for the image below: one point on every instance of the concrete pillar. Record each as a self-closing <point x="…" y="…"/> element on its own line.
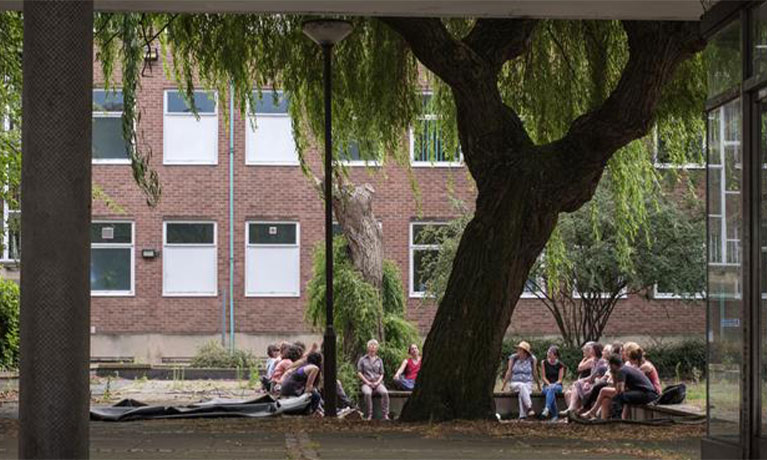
<point x="55" y="221"/>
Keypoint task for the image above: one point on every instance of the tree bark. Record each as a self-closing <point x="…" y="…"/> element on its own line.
<point x="353" y="209"/>
<point x="521" y="190"/>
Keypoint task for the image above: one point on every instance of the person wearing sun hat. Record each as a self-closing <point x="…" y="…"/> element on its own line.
<point x="522" y="371"/>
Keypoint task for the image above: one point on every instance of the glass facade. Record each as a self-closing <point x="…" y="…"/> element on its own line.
<point x="736" y="62"/>
<point x="725" y="296"/>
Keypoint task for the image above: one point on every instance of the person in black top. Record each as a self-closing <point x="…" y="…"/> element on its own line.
<point x="631" y="385"/>
<point x="553" y="371"/>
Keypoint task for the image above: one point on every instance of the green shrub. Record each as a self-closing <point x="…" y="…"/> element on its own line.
<point x="9" y="324"/>
<point x="213" y="354"/>
<point x="678" y="359"/>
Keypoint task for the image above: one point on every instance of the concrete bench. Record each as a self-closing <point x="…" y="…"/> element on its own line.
<point x="506" y="404"/>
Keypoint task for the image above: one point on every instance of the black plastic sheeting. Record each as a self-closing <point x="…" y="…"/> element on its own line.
<point x="264" y="406"/>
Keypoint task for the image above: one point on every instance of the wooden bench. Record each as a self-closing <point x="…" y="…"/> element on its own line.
<point x="506" y="404"/>
<point x="671" y="411"/>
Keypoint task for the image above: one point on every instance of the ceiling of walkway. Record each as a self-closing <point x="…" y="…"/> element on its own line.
<point x="563" y="9"/>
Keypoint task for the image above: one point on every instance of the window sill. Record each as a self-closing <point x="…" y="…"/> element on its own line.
<point x="276" y="163"/>
<point x="111" y="162"/>
<point x="686" y="166"/>
<point x="436" y="164"/>
<point x="190" y="294"/>
<point x="112" y="294"/>
<point x="355" y="163"/>
<point x="189" y="163"/>
<point x="291" y="295"/>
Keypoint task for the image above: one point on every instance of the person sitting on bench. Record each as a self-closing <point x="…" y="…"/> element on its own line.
<point x="523" y="370"/>
<point x="410" y="367"/>
<point x="273" y="352"/>
<point x="305" y="381"/>
<point x="370" y="370"/>
<point x="631" y="387"/>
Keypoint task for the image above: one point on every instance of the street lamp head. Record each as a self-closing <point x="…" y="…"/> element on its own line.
<point x="326" y="32"/>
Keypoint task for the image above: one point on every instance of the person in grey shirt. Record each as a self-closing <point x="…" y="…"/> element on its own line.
<point x="370" y="370"/>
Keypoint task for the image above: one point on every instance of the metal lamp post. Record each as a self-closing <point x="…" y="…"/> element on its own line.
<point x="326" y="33"/>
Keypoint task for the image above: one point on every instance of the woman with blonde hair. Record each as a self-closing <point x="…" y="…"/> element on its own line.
<point x="635" y="356"/>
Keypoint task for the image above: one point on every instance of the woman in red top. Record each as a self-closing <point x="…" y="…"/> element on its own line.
<point x="410" y="367"/>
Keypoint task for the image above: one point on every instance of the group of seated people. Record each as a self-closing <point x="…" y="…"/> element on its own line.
<point x="610" y="377"/>
<point x="292" y="370"/>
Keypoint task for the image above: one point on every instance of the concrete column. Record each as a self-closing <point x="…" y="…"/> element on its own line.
<point x="55" y="221"/>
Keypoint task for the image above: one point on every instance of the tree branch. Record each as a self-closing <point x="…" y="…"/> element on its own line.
<point x="655" y="51"/>
<point x="499" y="40"/>
<point x="433" y="45"/>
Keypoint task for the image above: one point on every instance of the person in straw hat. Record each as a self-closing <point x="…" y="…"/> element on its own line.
<point x="522" y="371"/>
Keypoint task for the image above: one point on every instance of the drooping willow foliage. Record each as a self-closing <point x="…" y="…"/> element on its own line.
<point x="358" y="309"/>
<point x="569" y="68"/>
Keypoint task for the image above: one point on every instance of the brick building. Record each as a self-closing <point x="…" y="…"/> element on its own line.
<point x="160" y="276"/>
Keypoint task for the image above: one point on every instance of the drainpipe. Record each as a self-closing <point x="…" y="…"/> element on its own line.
<point x="231" y="216"/>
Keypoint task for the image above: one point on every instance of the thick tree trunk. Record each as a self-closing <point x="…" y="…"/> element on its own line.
<point x="497" y="250"/>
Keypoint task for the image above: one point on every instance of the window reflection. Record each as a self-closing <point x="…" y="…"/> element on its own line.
<point x="725" y="301"/>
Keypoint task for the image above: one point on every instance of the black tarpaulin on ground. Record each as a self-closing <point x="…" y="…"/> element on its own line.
<point x="264" y="406"/>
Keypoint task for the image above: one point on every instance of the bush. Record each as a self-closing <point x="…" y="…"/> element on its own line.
<point x="213" y="354"/>
<point x="9" y="324"/>
<point x="673" y="360"/>
<point x="678" y="359"/>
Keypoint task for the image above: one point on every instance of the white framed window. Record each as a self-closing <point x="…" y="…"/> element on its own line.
<point x="11" y="233"/>
<point x="188" y="140"/>
<point x="112" y="258"/>
<point x="425" y="241"/>
<point x="190" y="264"/>
<point x="272" y="259"/>
<point x="659" y="293"/>
<point x="108" y="146"/>
<point x="269" y="132"/>
<point x="351" y="155"/>
<point x="426" y="146"/>
<point x="662" y="158"/>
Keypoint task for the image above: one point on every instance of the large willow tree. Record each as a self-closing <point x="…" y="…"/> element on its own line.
<point x="538" y="108"/>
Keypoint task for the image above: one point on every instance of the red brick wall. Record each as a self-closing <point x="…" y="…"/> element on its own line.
<point x="283" y="193"/>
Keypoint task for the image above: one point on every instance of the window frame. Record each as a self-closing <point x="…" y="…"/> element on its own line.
<point x="108" y="114"/>
<point x="6" y="256"/>
<point x="684" y="167"/>
<point x="412" y="247"/>
<point x="165" y="113"/>
<point x="359" y="163"/>
<point x="214" y="245"/>
<point x="131" y="245"/>
<point x="249" y="245"/>
<point x="411" y="145"/>
<point x="658" y="295"/>
<point x="252" y="116"/>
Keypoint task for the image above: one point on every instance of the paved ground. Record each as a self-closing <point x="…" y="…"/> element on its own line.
<point x="297" y="438"/>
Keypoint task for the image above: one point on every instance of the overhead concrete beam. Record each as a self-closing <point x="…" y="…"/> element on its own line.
<point x="675" y="10"/>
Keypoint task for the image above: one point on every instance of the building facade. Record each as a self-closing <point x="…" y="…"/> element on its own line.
<point x="160" y="276"/>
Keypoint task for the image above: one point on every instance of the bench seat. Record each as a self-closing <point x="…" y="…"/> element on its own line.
<point x="506" y="404"/>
